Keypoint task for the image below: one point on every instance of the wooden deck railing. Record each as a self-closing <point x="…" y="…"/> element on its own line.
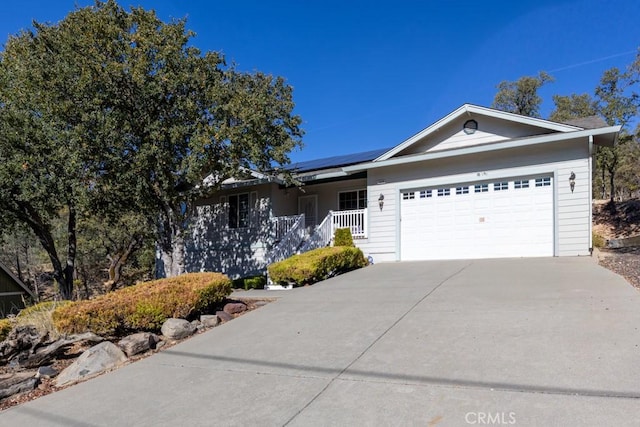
<point x="289" y="243"/>
<point x="320" y="237"/>
<point x="282" y="225"/>
<point x="355" y="220"/>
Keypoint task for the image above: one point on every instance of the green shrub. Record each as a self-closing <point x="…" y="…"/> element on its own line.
<point x="342" y="237"/>
<point x="316" y="265"/>
<point x="597" y="240"/>
<point x="253" y="282"/>
<point x="5" y="327"/>
<point x="256" y="282"/>
<point x="144" y="306"/>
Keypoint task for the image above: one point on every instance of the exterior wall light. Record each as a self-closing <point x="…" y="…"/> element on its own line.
<point x="381" y="201"/>
<point x="572" y="181"/>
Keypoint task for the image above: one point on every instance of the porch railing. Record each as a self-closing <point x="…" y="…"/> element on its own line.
<point x="289" y="243"/>
<point x="282" y="225"/>
<point x="321" y="236"/>
<point x="355" y="220"/>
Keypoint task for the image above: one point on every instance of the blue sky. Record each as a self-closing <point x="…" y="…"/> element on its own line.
<point x="368" y="74"/>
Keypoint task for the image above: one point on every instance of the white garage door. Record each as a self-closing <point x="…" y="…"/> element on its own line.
<point x="507" y="218"/>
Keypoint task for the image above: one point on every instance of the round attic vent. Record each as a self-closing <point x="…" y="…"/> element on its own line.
<point x="470" y="127"/>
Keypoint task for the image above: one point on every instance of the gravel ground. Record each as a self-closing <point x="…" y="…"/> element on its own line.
<point x="625" y="262"/>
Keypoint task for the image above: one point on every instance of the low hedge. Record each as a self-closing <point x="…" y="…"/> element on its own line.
<point x="5" y="327"/>
<point x="316" y="265"/>
<point x="252" y="282"/>
<point x="342" y="237"/>
<point x="597" y="240"/>
<point x="145" y="306"/>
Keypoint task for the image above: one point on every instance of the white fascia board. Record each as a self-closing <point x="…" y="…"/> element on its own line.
<point x="418" y="136"/>
<point x="483" y="111"/>
<point x="490" y="112"/>
<point x="323" y="176"/>
<point x="516" y="143"/>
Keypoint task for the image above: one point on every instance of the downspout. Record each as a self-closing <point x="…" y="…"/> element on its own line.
<point x="591" y="193"/>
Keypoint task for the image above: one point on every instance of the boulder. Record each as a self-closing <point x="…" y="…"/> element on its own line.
<point x="28" y="348"/>
<point x="210" y="320"/>
<point x="224" y="316"/>
<point x="198" y="324"/>
<point x="177" y="329"/>
<point x="138" y="343"/>
<point x="15" y="383"/>
<point x="46" y="372"/>
<point x="92" y="362"/>
<point x="22" y="339"/>
<point x="46" y="354"/>
<point x="235" y="307"/>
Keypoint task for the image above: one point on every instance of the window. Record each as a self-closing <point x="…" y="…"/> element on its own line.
<point x="481" y="188"/>
<point x="462" y="190"/>
<point x="444" y="192"/>
<point x="408" y="196"/>
<point x="521" y="184"/>
<point x="238" y="210"/>
<point x="425" y="193"/>
<point x="543" y="182"/>
<point x="350" y="200"/>
<point x="498" y="186"/>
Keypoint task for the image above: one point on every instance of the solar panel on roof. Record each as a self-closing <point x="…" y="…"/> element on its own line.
<point x="336" y="161"/>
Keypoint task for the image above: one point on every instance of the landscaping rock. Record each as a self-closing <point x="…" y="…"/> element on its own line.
<point x="177" y="329"/>
<point x="15" y="383"/>
<point x="210" y="320"/>
<point x="94" y="361"/>
<point x="138" y="343"/>
<point x="22" y="339"/>
<point x="224" y="316"/>
<point x="235" y="307"/>
<point x="27" y="348"/>
<point x="198" y="325"/>
<point x="44" y="355"/>
<point x="46" y="372"/>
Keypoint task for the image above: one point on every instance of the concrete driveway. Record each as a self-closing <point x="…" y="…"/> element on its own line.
<point x="552" y="341"/>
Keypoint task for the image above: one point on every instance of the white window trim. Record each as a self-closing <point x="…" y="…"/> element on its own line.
<point x="357" y="191"/>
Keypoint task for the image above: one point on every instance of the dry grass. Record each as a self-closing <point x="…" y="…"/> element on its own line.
<point x="39" y="315"/>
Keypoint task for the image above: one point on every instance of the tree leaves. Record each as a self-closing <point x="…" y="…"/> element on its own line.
<point x="109" y="112"/>
<point x="521" y="96"/>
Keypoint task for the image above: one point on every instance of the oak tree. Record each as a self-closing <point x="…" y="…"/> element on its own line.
<point x="112" y="111"/>
<point x="521" y="96"/>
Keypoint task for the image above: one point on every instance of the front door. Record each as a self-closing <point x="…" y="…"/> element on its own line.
<point x="308" y="205"/>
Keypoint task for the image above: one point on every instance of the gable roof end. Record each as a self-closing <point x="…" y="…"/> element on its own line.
<point x="482" y="111"/>
<point x="18" y="281"/>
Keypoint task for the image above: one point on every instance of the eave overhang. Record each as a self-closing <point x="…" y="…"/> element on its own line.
<point x="603" y="136"/>
<point x="483" y="111"/>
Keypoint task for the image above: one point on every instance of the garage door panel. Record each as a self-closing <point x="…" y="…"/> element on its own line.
<point x="506" y="222"/>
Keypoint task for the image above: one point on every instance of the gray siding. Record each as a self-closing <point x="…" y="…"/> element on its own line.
<point x="238" y="252"/>
<point x="12" y="295"/>
<point x="490" y="130"/>
<point x="572" y="234"/>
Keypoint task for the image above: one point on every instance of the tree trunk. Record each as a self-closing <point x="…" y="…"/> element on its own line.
<point x="170" y="251"/>
<point x="118" y="261"/>
<point x="171" y="259"/>
<point x="604" y="185"/>
<point x="66" y="286"/>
